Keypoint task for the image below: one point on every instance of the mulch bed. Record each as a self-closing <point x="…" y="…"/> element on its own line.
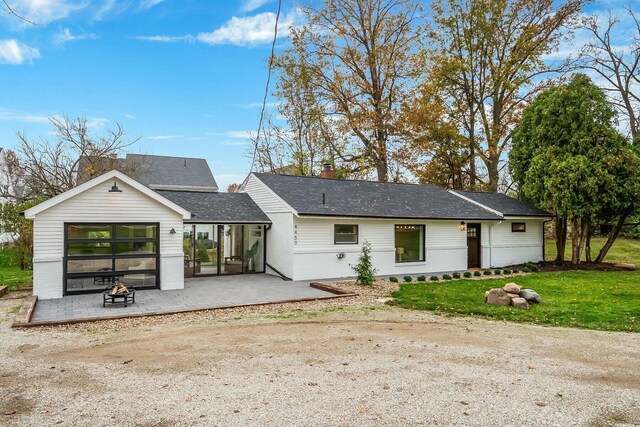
<point x="567" y="266"/>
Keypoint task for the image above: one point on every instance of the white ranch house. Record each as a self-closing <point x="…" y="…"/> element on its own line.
<point x="172" y="223"/>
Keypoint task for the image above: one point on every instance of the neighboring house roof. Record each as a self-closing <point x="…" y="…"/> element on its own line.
<point x="349" y="198"/>
<point x="173" y="173"/>
<point x="112" y="175"/>
<point x="218" y="207"/>
<point x="505" y="205"/>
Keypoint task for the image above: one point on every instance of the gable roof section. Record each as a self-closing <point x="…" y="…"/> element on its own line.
<point x="347" y="198"/>
<point x="218" y="207"/>
<point x="507" y="206"/>
<point x="174" y="173"/>
<point x="112" y="175"/>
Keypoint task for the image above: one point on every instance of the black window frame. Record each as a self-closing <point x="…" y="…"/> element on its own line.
<point x="514" y="224"/>
<point x="112" y="240"/>
<point x="424" y="242"/>
<point x="357" y="234"/>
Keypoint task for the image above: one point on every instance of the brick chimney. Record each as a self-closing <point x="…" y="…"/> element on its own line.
<point x="327" y="171"/>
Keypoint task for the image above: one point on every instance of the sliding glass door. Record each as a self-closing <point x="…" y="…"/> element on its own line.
<point x="212" y="249"/>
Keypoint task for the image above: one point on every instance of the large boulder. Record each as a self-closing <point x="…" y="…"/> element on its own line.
<point x="512" y="288"/>
<point x="512" y="296"/>
<point x="531" y="296"/>
<point x="498" y="297"/>
<point x="520" y="303"/>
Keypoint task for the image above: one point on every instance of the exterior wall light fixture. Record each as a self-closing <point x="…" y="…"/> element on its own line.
<point x="114" y="188"/>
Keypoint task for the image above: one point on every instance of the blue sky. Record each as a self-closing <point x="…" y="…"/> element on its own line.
<point x="189" y="76"/>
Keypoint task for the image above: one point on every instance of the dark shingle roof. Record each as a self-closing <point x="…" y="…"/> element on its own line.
<point x="508" y="206"/>
<point x="217" y="207"/>
<point x="165" y="172"/>
<point x="371" y="199"/>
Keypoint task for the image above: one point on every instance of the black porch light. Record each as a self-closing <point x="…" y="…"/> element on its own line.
<point x="114" y="188"/>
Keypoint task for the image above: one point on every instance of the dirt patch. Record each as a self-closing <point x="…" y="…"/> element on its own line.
<point x="14" y="405"/>
<point x="355" y="365"/>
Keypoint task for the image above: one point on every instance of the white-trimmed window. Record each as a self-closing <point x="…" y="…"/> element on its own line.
<point x="518" y="227"/>
<point x="409" y="243"/>
<point x="345" y="234"/>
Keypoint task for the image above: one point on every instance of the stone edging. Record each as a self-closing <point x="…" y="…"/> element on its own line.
<point x="328" y="288"/>
<point x="23" y="317"/>
<point x="3" y="290"/>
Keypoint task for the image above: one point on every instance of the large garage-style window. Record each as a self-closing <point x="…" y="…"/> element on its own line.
<point x="98" y="254"/>
<point x="409" y="243"/>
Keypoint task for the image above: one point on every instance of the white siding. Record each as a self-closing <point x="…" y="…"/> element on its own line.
<point x="263" y="196"/>
<point x="502" y="247"/>
<point x="280" y="243"/>
<point x="98" y="205"/>
<point x="315" y="254"/>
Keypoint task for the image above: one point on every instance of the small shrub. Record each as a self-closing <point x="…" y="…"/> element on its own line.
<point x="477" y="274"/>
<point x="487" y="272"/>
<point x="393" y="279"/>
<point x="467" y="274"/>
<point x="434" y="278"/>
<point x="506" y="271"/>
<point x="456" y="275"/>
<point x="531" y="266"/>
<point x="446" y="277"/>
<point x="422" y="278"/>
<point x="516" y="271"/>
<point x="364" y="268"/>
<point x="408" y="279"/>
<point x="525" y="269"/>
<point x="497" y="272"/>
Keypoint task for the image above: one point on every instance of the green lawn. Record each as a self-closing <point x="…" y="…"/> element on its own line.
<point x="11" y="274"/>
<point x="624" y="250"/>
<point x="582" y="299"/>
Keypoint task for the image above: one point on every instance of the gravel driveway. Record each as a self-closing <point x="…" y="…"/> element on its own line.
<point x="354" y="366"/>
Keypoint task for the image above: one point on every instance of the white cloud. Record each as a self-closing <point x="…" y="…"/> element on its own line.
<point x="161" y="137"/>
<point x="18" y="116"/>
<point x="103" y="10"/>
<point x="148" y="4"/>
<point x="96" y="122"/>
<point x="236" y="134"/>
<point x="164" y="39"/>
<point x="15" y="53"/>
<point x="130" y="116"/>
<point x="43" y="12"/>
<point x="248" y="30"/>
<point x="251" y="105"/>
<point x="251" y="5"/>
<point x="65" y="36"/>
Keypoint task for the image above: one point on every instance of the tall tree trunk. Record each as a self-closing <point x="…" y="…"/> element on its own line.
<point x="587" y="246"/>
<point x="472" y="149"/>
<point x="492" y="167"/>
<point x="561" y="238"/>
<point x="613" y="235"/>
<point x="576" y="241"/>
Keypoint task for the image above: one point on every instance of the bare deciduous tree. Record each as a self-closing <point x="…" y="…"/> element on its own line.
<point x="45" y="168"/>
<point x="618" y="65"/>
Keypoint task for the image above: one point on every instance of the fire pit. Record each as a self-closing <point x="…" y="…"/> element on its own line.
<point x="118" y="292"/>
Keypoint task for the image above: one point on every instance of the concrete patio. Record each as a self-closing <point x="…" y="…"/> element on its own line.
<point x="199" y="294"/>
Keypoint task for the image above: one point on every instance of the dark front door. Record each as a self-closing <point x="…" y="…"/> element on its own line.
<point x="473" y="246"/>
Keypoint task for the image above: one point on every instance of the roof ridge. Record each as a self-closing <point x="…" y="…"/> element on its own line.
<point x="349" y="180"/>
